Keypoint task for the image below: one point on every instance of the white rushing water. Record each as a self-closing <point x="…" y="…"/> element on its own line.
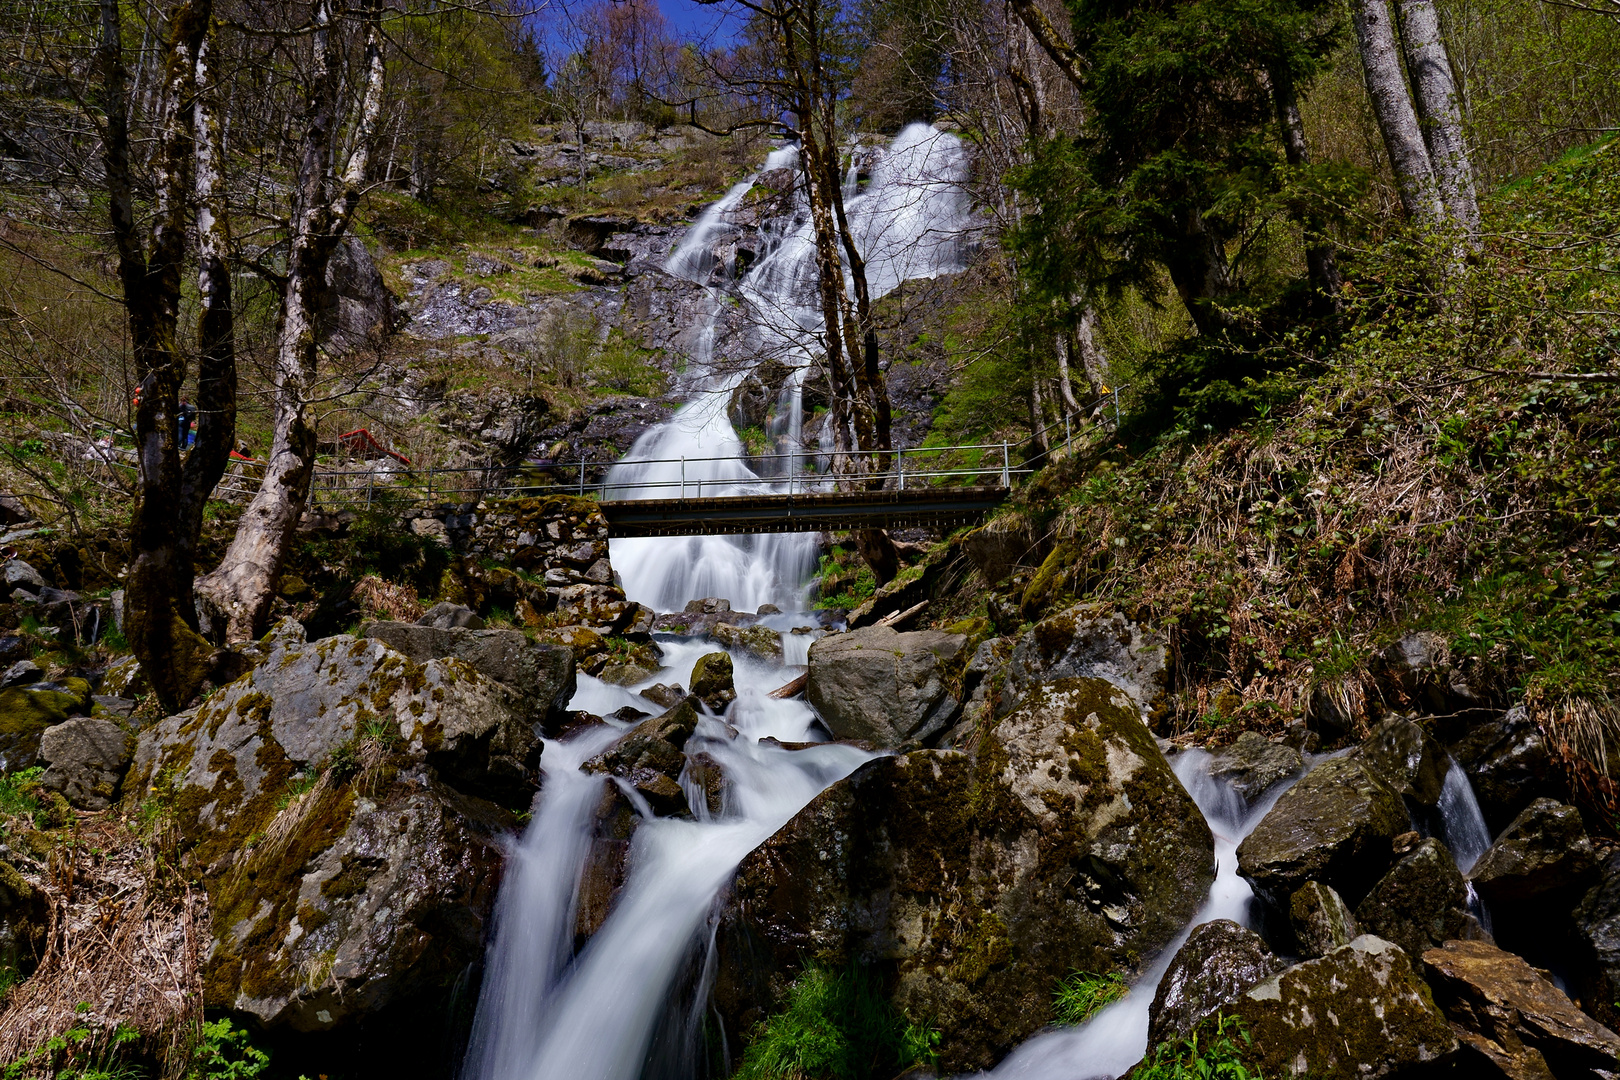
<point x="910" y="221"/>
<point x="604" y="1012"/>
<point x="1115" y="1038"/>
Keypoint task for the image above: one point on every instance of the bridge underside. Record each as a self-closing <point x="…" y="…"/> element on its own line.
<point x="813" y="512"/>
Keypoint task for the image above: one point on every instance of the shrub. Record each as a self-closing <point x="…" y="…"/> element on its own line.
<point x="1083" y="993"/>
<point x="836" y="1025"/>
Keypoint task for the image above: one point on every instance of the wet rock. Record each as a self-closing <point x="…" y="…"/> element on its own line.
<point x="1515" y="1019"/>
<point x="886" y="687"/>
<point x="1508" y="763"/>
<point x="665" y="697"/>
<point x="1334" y="826"/>
<point x="1545" y="854"/>
<point x="447" y="616"/>
<point x="758" y="641"/>
<point x="712" y="681"/>
<point x="1358" y="1012"/>
<point x="541" y="673"/>
<point x="1085" y="642"/>
<point x="1597" y="943"/>
<point x="1220" y="960"/>
<point x="1422" y="902"/>
<point x="1065" y="844"/>
<point x="1320" y="920"/>
<point x="650" y="759"/>
<point x="334" y="793"/>
<point x="607" y="864"/>
<point x="88" y="758"/>
<point x="1253" y="763"/>
<point x="1408" y="759"/>
<point x="707" y="773"/>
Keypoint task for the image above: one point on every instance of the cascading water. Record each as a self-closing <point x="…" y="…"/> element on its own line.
<point x="1116" y="1037"/>
<point x="910" y="222"/>
<point x="605" y="1012"/>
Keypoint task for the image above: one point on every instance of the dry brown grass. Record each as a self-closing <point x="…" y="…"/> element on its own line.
<point x="123" y="949"/>
<point x="378" y="597"/>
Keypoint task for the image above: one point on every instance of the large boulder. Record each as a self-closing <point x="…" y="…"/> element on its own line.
<point x="27" y="711"/>
<point x="541" y="673"/>
<point x="1253" y="764"/>
<point x="1320" y="920"/>
<point x="1064" y="843"/>
<point x="336" y="803"/>
<point x="1515" y="1019"/>
<point x="713" y="680"/>
<point x="1422" y="902"/>
<point x="1083" y="643"/>
<point x="1337" y="825"/>
<point x="885" y="687"/>
<point x="1220" y="960"/>
<point x="1508" y="762"/>
<point x="88" y="757"/>
<point x="1358" y="1013"/>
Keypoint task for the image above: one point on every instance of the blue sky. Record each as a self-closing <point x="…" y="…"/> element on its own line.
<point x="690" y="19"/>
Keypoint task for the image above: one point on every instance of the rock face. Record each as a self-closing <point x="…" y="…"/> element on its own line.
<point x="1085" y="643"/>
<point x="1335" y="826"/>
<point x="337" y="799"/>
<point x="1360" y="1011"/>
<point x="1220" y="960"/>
<point x="1422" y="902"/>
<point x="87" y="757"/>
<point x="1064" y="843"/>
<point x="1507" y="761"/>
<point x="1254" y="763"/>
<point x="1320" y="920"/>
<point x="1517" y="1020"/>
<point x="885" y="687"/>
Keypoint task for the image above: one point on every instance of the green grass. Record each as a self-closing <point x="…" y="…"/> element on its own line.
<point x="1081" y="994"/>
<point x="836" y="1025"/>
<point x="1216" y="1057"/>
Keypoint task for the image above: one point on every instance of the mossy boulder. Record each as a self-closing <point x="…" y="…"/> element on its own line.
<point x="334" y="801"/>
<point x="1253" y="764"/>
<point x="649" y="757"/>
<point x="712" y="680"/>
<point x="88" y="757"/>
<point x="1359" y="1012"/>
<point x="542" y="673"/>
<point x="1088" y="642"/>
<point x="1408" y="759"/>
<point x="1320" y="920"/>
<point x="25" y="713"/>
<point x="1421" y="903"/>
<point x="760" y="642"/>
<point x="1337" y="825"/>
<point x="1065" y="842"/>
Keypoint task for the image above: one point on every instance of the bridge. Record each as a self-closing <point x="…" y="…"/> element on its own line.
<point x="944" y="486"/>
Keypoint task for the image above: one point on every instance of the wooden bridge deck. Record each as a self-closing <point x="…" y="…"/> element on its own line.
<point x="801" y="512"/>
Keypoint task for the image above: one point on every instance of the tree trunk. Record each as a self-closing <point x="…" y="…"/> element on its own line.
<point x="243" y="586"/>
<point x="1321" y="264"/>
<point x="1063" y="344"/>
<point x="1068" y="61"/>
<point x="1198" y="270"/>
<point x="1397" y="119"/>
<point x="1092" y="357"/>
<point x="1441" y="118"/>
<point x="161" y="615"/>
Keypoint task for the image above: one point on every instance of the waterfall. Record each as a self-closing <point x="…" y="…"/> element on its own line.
<point x="1115" y="1038"/>
<point x="910" y="221"/>
<point x="614" y="1010"/>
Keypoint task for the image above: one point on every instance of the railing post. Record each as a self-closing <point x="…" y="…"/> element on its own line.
<point x="582" y="478"/>
<point x="683" y="478"/>
<point x="1068" y="434"/>
<point x="900" y="467"/>
<point x="1006" y="466"/>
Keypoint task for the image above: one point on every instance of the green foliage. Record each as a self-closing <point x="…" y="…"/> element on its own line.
<point x="1082" y="993"/>
<point x="19" y="793"/>
<point x="846" y="583"/>
<point x="835" y="1025"/>
<point x="82" y="1052"/>
<point x="226" y="1052"/>
<point x="1215" y="1057"/>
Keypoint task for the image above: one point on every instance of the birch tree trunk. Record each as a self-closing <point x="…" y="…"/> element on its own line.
<point x="1393" y="108"/>
<point x="243" y="586"/>
<point x="1439" y="113"/>
<point x="1092" y="357"/>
